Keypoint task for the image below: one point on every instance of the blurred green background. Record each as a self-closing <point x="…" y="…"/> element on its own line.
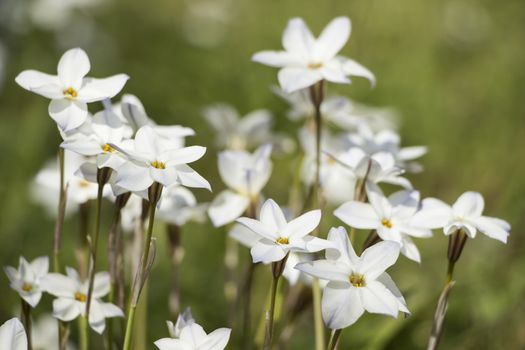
<point x="452" y="69"/>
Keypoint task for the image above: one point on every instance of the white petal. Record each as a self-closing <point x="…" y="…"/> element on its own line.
<point x="272" y="216"/>
<point x="433" y="214"/>
<point x="40" y="266"/>
<point x="341" y="305"/>
<point x="414" y="231"/>
<point x="266" y="251"/>
<point x="216" y="340"/>
<point x="492" y="227"/>
<point x="315" y="244"/>
<point x="96" y="317"/>
<point x="165" y="177"/>
<point x="334" y="73"/>
<point x="303" y="225"/>
<point x="68" y="114"/>
<point x="190" y="178"/>
<point x="193" y="334"/>
<point x="101" y="285"/>
<point x="378" y="299"/>
<point x="83" y="145"/>
<point x="469" y="204"/>
<point x="172" y="344"/>
<point x="259" y="228"/>
<point x="244" y="235"/>
<point x="59" y="285"/>
<point x="99" y="89"/>
<point x="32" y="298"/>
<point x="66" y="309"/>
<point x="73" y="67"/>
<point x="377" y="258"/>
<point x="293" y="78"/>
<point x="40" y="83"/>
<point x="413" y="152"/>
<point x="333" y="37"/>
<point x="409" y="249"/>
<point x="358" y="215"/>
<point x="227" y="207"/>
<point x="133" y="177"/>
<point x="352" y="68"/>
<point x="344" y="251"/>
<point x="274" y="58"/>
<point x="13" y="336"/>
<point x="387" y="281"/>
<point x="326" y="269"/>
<point x="111" y="310"/>
<point x="297" y="38"/>
<point x="183" y="155"/>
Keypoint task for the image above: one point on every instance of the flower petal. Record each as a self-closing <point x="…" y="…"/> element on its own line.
<point x="333" y="37"/>
<point x="13" y="336"/>
<point x="190" y="178"/>
<point x="272" y="216"/>
<point x="433" y="214"/>
<point x="40" y="83"/>
<point x="352" y="68"/>
<point x="73" y="67"/>
<point x="101" y="285"/>
<point x="303" y="225"/>
<point x="94" y="90"/>
<point x="296" y="78"/>
<point x="267" y="251"/>
<point x="172" y="344"/>
<point x="133" y="177"/>
<point x="326" y="270"/>
<point x="387" y="281"/>
<point x="59" y="285"/>
<point x="358" y="215"/>
<point x="216" y="340"/>
<point x="341" y="305"/>
<point x="68" y="114"/>
<point x="377" y="258"/>
<point x="227" y="207"/>
<point x="275" y="58"/>
<point x="65" y="309"/>
<point x="469" y="204"/>
<point x="344" y="251"/>
<point x="297" y="38"/>
<point x="183" y="155"/>
<point x="493" y="227"/>
<point x="377" y="299"/>
<point x="258" y="227"/>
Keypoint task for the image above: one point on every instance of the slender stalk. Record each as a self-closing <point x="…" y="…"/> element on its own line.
<point x="26" y="319"/>
<point x="176" y="254"/>
<point x="84" y="332"/>
<point x="247" y="292"/>
<point x="154" y="196"/>
<point x="270" y="314"/>
<point x="334" y="339"/>
<point x="59" y="225"/>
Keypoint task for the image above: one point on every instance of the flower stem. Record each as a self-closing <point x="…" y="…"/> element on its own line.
<point x="334" y="339"/>
<point x="155" y="192"/>
<point x="59" y="225"/>
<point x="26" y="318"/>
<point x="84" y="333"/>
<point x="269" y="315"/>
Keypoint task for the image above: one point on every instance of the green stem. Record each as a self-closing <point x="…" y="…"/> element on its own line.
<point x="318" y="318"/>
<point x="269" y="325"/>
<point x="59" y="225"/>
<point x="334" y="339"/>
<point x="26" y="313"/>
<point x="450" y="272"/>
<point x="84" y="333"/>
<point x="133" y="305"/>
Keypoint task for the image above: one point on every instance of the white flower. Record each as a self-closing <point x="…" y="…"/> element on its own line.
<point x="45" y="335"/>
<point x="307" y="60"/>
<point x="46" y="185"/>
<point x="465" y="214"/>
<point x="278" y="237"/>
<point x="389" y="217"/>
<point x="245" y="174"/>
<point x="71" y="90"/>
<point x="13" y="335"/>
<point x="26" y="281"/>
<point x="193" y="337"/>
<point x="179" y="206"/>
<point x="106" y="128"/>
<point x="131" y="213"/>
<point x="184" y="319"/>
<point x="154" y="160"/>
<point x="356" y="283"/>
<point x="71" y="298"/>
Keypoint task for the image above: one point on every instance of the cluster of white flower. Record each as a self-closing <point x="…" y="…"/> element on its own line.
<point x="122" y="154"/>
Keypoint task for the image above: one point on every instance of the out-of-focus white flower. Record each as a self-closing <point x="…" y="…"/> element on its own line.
<point x="465" y="214"/>
<point x="26" y="281"/>
<point x="387" y="141"/>
<point x="245" y="174"/>
<point x="356" y="283"/>
<point x="56" y="14"/>
<point x="46" y="185"/>
<point x="389" y="217"/>
<point x="179" y="206"/>
<point x="185" y="319"/>
<point x="307" y="60"/>
<point x="45" y="335"/>
<point x="236" y="133"/>
<point x="13" y="335"/>
<point x="71" y="298"/>
<point x="131" y="213"/>
<point x="278" y="236"/>
<point x="205" y="22"/>
<point x="151" y="159"/>
<point x="191" y="336"/>
<point x="71" y="90"/>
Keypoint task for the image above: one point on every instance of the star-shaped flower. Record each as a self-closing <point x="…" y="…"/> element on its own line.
<point x="278" y="237"/>
<point x="356" y="284"/>
<point x="70" y="91"/>
<point x="307" y="60"/>
<point x="465" y="214"/>
<point x="26" y="281"/>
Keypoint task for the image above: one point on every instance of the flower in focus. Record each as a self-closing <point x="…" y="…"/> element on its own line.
<point x="71" y="90"/>
<point x="71" y="298"/>
<point x="389" y="217"/>
<point x="278" y="237"/>
<point x="245" y="174"/>
<point x="188" y="335"/>
<point x="465" y="214"/>
<point x="356" y="284"/>
<point x="307" y="60"/>
<point x="152" y="159"/>
<point x="13" y="335"/>
<point x="26" y="281"/>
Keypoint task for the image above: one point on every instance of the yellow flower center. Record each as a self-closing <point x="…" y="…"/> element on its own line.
<point x="27" y="287"/>
<point x="80" y="297"/>
<point x="282" y="240"/>
<point x="70" y="93"/>
<point x="83" y="184"/>
<point x="357" y="280"/>
<point x="108" y="149"/>
<point x="314" y="65"/>
<point x="386" y="223"/>
<point x="158" y="165"/>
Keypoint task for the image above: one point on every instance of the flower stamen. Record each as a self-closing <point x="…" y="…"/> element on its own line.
<point x="357" y="280"/>
<point x="314" y="65"/>
<point x="158" y="165"/>
<point x="108" y="149"/>
<point x="70" y="93"/>
<point x="386" y="223"/>
<point x="80" y="297"/>
<point x="27" y="287"/>
<point x="282" y="240"/>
